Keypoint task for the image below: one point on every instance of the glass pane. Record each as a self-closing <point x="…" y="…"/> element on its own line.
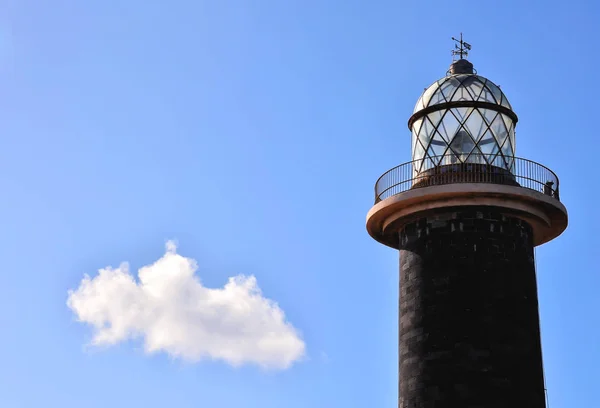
<point x="428" y="163"/>
<point x="413" y="144"/>
<point x="486" y="96"/>
<point x="499" y="162"/>
<point x="466" y="80"/>
<point x="507" y="120"/>
<point x="462" y="113"/>
<point x="462" y="94"/>
<point x="488" y="114"/>
<point x="476" y="157"/>
<point x="499" y="130"/>
<point x="510" y="162"/>
<point x="507" y="149"/>
<point x="475" y="125"/>
<point x="511" y="134"/>
<point x="495" y="148"/>
<point x="435" y="117"/>
<point x="495" y="91"/>
<point x="488" y="144"/>
<point x="448" y="126"/>
<point x="428" y="93"/>
<point x="450" y="158"/>
<point x="437" y="146"/>
<point x="426" y="130"/>
<point x="419" y="151"/>
<point x="426" y="133"/>
<point x="476" y="87"/>
<point x="437" y="140"/>
<point x="416" y="128"/>
<point x="505" y="102"/>
<point x="437" y="98"/>
<point x="462" y="142"/>
<point x="449" y="87"/>
<point x="418" y="105"/>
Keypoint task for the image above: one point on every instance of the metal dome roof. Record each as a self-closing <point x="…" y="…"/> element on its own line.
<point x="462" y="87"/>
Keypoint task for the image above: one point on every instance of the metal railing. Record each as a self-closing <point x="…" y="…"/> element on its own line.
<point x="449" y="170"/>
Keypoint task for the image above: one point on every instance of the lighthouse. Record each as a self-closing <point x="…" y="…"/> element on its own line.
<point x="465" y="215"/>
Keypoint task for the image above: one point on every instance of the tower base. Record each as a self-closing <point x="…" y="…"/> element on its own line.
<point x="469" y="323"/>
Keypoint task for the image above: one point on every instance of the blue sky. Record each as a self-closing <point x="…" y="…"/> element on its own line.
<point x="251" y="133"/>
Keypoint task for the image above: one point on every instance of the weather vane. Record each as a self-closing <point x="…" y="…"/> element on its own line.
<point x="461" y="48"/>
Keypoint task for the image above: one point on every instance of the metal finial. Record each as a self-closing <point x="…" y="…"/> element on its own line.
<point x="461" y="48"/>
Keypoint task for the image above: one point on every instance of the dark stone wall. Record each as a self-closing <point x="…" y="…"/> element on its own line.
<point x="469" y="324"/>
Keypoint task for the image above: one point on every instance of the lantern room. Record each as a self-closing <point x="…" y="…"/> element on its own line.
<point x="462" y="118"/>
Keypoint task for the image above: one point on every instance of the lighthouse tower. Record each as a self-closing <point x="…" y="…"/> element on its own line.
<point x="465" y="215"/>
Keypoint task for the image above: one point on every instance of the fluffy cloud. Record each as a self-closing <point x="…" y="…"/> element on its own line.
<point x="170" y="309"/>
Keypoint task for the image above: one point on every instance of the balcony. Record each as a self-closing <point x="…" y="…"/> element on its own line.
<point x="442" y="170"/>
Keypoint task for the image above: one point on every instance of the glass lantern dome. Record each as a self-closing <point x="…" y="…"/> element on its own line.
<point x="463" y="118"/>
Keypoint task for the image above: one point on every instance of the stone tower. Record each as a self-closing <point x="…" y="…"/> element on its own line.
<point x="466" y="214"/>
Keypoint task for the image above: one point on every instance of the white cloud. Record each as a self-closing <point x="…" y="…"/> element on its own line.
<point x="173" y="312"/>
